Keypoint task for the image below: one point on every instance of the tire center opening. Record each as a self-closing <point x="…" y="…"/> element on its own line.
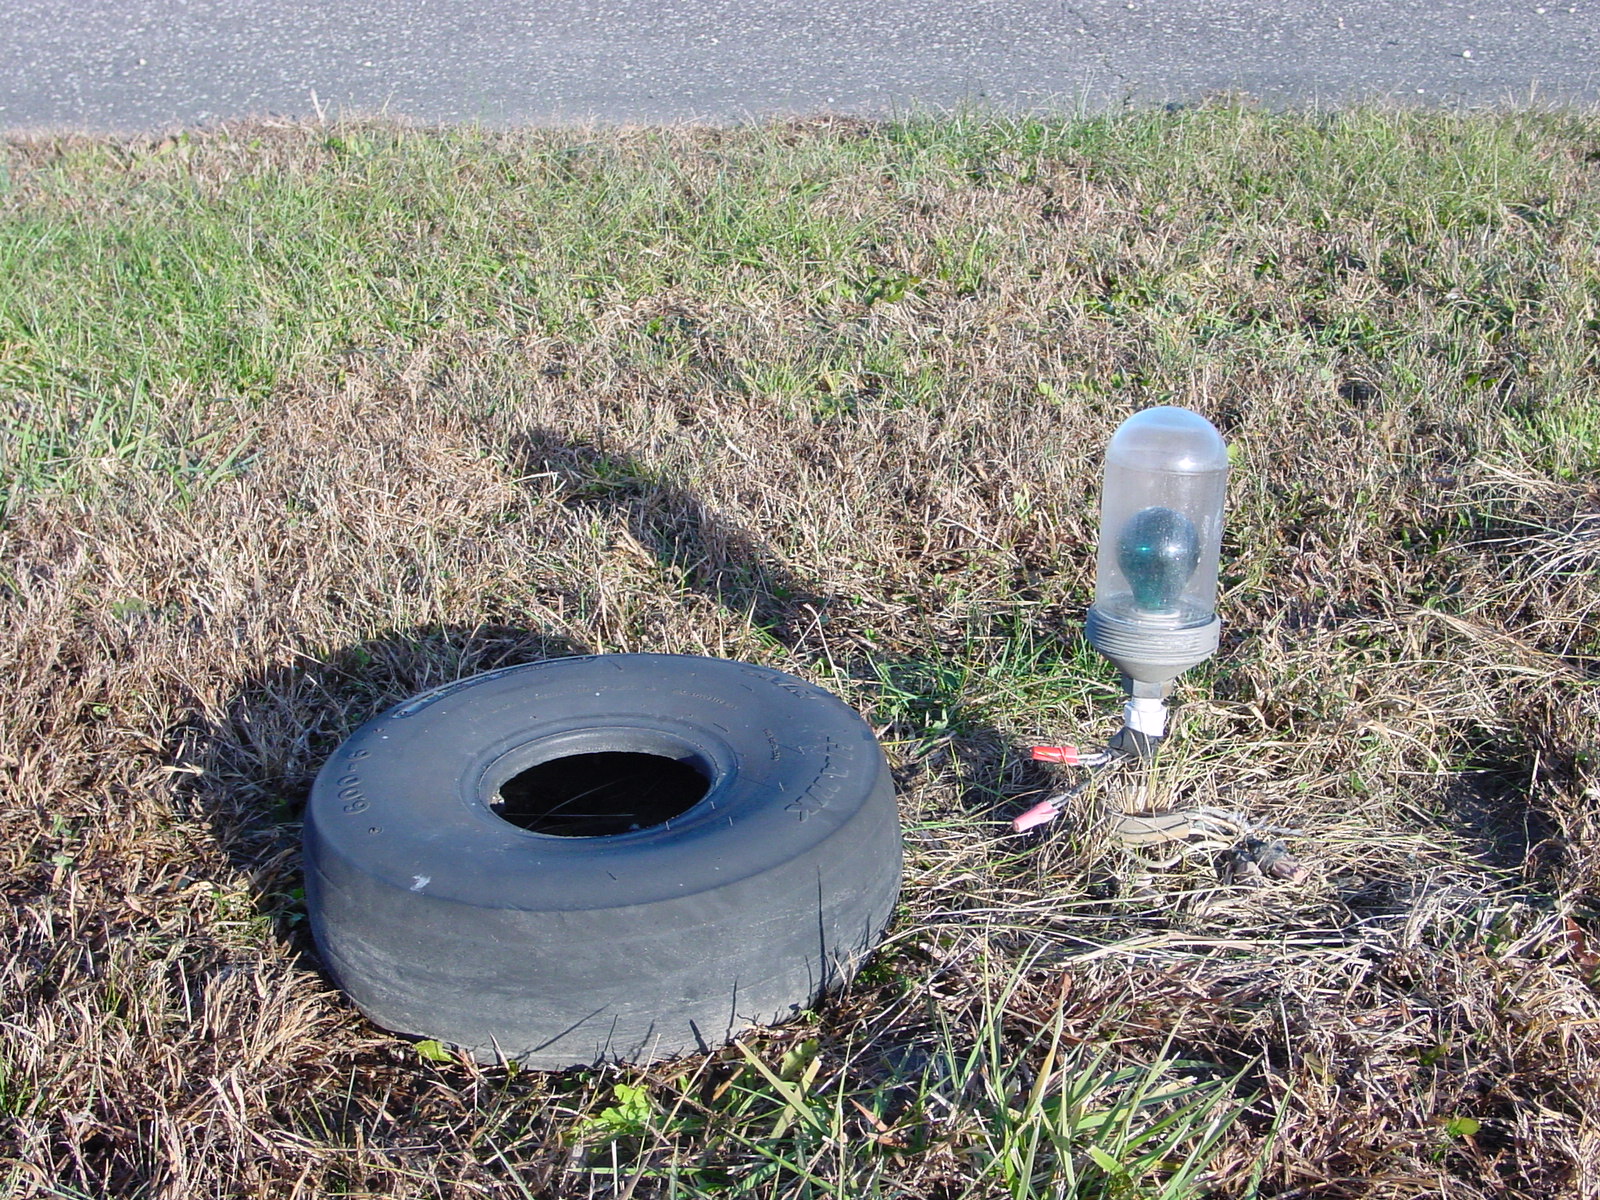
<point x="600" y="794"/>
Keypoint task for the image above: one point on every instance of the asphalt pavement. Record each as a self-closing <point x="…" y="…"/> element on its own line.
<point x="155" y="64"/>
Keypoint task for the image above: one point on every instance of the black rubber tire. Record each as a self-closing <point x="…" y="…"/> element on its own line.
<point x="440" y="919"/>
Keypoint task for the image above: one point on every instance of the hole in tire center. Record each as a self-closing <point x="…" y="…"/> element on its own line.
<point x="600" y="794"/>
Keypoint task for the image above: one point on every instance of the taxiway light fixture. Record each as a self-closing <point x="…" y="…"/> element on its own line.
<point x="1154" y="611"/>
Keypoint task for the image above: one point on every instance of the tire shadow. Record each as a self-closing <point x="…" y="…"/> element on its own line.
<point x="712" y="556"/>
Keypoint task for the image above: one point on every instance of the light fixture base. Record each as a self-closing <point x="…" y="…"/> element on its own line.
<point x="1149" y="655"/>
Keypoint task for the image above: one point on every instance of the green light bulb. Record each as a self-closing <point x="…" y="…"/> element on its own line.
<point x="1158" y="552"/>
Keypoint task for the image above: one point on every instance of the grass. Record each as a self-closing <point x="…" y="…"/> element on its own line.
<point x="299" y="420"/>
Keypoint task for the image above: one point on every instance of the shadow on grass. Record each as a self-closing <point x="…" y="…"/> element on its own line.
<point x="689" y="540"/>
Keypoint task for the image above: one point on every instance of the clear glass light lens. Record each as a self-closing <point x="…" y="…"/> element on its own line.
<point x="1161" y="520"/>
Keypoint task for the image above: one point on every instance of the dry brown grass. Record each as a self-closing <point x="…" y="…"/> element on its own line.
<point x="894" y="497"/>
